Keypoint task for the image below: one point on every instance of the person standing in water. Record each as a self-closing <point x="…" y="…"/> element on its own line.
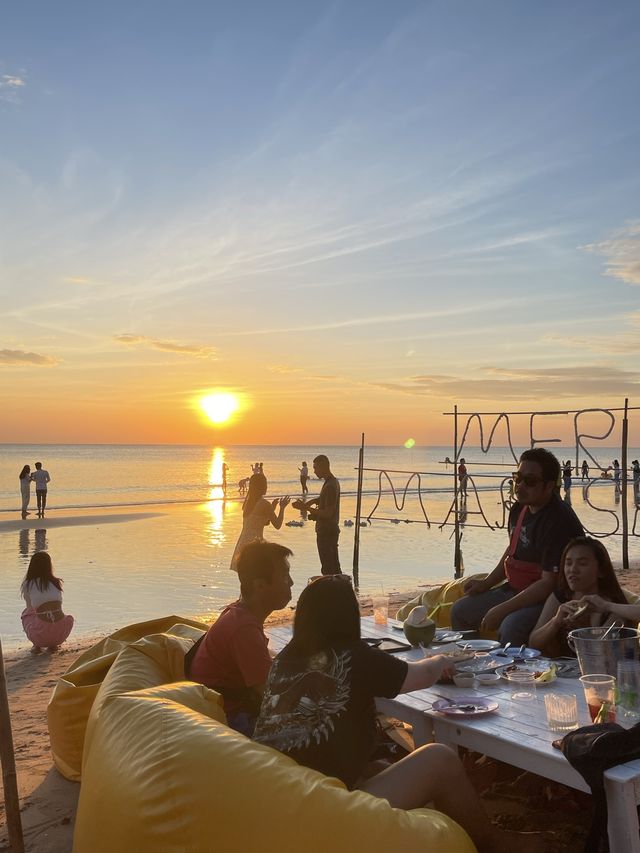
<point x="25" y="489"/>
<point x="585" y="469"/>
<point x="463" y="476"/>
<point x="41" y="478"/>
<point x="325" y="511"/>
<point x="257" y="513"/>
<point x="304" y="476"/>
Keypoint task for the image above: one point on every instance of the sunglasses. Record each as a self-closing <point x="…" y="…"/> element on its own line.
<point x="528" y="480"/>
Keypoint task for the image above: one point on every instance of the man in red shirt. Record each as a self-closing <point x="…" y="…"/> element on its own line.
<point x="232" y="657"/>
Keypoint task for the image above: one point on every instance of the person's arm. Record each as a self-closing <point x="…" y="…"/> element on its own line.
<point x="474" y="587"/>
<point x="329" y="510"/>
<point x="424" y="673"/>
<point x="539" y="591"/>
<point x="276" y="520"/>
<point x="305" y="505"/>
<point x="48" y="478"/>
<point x="549" y="623"/>
<point x="624" y="611"/>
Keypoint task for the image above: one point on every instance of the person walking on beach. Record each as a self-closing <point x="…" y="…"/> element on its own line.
<point x="225" y="469"/>
<point x="257" y="512"/>
<point x="510" y="599"/>
<point x="325" y="511"/>
<point x="462" y="478"/>
<point x="25" y="488"/>
<point x="566" y="475"/>
<point x="585" y="469"/>
<point x="41" y="478"/>
<point x="616" y="473"/>
<point x="232" y="657"/>
<point x="635" y="470"/>
<point x="43" y="621"/>
<point x="304" y="476"/>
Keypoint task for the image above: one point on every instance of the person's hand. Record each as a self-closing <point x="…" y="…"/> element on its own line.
<point x="474" y="587"/>
<point x="298" y="504"/>
<point x="274" y="503"/>
<point x="285" y="501"/>
<point x="596" y="602"/>
<point x="493" y="618"/>
<point x="442" y="665"/>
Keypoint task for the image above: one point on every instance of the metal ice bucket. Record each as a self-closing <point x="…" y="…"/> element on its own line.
<point x="596" y="655"/>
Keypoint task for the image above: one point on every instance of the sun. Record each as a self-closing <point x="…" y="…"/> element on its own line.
<point x="220" y="407"/>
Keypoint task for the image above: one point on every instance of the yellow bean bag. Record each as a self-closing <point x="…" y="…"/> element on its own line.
<point x="162" y="773"/>
<point x="438" y="600"/>
<point x="75" y="692"/>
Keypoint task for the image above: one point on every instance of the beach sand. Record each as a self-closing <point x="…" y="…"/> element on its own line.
<point x="514" y="799"/>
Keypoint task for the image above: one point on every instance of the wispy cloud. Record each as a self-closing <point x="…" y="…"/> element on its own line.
<point x="77" y="279"/>
<point x="621" y="252"/>
<point x="196" y="350"/>
<point x="10" y="86"/>
<point x="16" y="357"/>
<point x="526" y="384"/>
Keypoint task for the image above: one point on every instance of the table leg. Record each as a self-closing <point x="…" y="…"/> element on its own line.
<point x="623" y="816"/>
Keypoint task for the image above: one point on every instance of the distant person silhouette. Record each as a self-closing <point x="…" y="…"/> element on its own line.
<point x="225" y="468"/>
<point x="304" y="476"/>
<point x="463" y="477"/>
<point x="585" y="470"/>
<point x="566" y="475"/>
<point x="616" y="473"/>
<point x="41" y="478"/>
<point x="25" y="489"/>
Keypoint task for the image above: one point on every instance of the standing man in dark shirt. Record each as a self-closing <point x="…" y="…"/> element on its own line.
<point x="511" y="598"/>
<point x="325" y="511"/>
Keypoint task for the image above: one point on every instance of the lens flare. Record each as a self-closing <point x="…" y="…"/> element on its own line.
<point x="409" y="443"/>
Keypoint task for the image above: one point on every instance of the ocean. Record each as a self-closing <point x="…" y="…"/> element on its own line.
<point x="142" y="531"/>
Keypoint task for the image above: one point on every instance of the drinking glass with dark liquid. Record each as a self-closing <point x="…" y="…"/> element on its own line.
<point x="600" y="693"/>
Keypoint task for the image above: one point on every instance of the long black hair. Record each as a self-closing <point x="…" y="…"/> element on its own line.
<point x="257" y="489"/>
<point x="327" y="615"/>
<point x="25" y="472"/>
<point x="40" y="572"/>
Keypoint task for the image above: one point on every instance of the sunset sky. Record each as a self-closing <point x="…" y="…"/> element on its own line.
<point x="351" y="214"/>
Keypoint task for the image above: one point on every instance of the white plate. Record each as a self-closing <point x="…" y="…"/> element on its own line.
<point x="539" y="665"/>
<point x="479" y="645"/>
<point x="513" y="652"/>
<point x="446" y="635"/>
<point x="452" y="708"/>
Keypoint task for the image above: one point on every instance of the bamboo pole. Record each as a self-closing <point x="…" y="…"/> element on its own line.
<point x="625" y="514"/>
<point x="9" y="778"/>
<point x="457" y="556"/>
<point x="356" y="538"/>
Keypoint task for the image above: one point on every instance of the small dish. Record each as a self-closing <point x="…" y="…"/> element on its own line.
<point x="537" y="667"/>
<point x="487" y="679"/>
<point x="464" y="679"/>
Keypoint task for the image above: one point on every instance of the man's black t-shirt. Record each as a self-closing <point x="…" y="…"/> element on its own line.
<point x="545" y="533"/>
<point x="329" y="497"/>
<point x="321" y="710"/>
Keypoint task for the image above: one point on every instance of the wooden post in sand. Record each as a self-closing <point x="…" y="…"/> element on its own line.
<point x="9" y="778"/>
<point x="625" y="515"/>
<point x="457" y="554"/>
<point x="356" y="537"/>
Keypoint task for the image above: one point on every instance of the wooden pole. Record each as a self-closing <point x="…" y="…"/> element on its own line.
<point x="356" y="538"/>
<point x="625" y="515"/>
<point x="9" y="778"/>
<point x="457" y="556"/>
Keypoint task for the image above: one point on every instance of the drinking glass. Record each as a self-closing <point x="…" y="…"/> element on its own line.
<point x="600" y="693"/>
<point x="628" y="706"/>
<point x="523" y="685"/>
<point x="380" y="608"/>
<point x="562" y="711"/>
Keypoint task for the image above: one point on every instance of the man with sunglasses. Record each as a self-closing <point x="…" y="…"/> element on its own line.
<point x="510" y="599"/>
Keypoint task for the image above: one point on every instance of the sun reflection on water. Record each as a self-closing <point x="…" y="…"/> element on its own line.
<point x="216" y="499"/>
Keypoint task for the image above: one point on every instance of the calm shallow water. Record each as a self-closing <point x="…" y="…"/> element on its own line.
<point x="177" y="560"/>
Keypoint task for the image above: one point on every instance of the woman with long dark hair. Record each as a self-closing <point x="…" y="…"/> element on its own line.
<point x="25" y="488"/>
<point x="257" y="512"/>
<point x="319" y="708"/>
<point x="43" y="620"/>
<point x="587" y="595"/>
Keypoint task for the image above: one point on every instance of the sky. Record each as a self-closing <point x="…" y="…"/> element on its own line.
<point x="353" y="215"/>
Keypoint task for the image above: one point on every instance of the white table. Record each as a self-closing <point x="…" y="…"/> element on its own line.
<point x="516" y="734"/>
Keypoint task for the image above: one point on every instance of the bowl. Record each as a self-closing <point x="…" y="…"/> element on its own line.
<point x="488" y="678"/>
<point x="464" y="679"/>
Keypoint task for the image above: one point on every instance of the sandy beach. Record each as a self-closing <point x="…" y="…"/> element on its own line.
<point x="514" y="799"/>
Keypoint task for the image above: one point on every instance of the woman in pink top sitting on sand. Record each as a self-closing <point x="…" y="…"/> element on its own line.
<point x="43" y="620"/>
